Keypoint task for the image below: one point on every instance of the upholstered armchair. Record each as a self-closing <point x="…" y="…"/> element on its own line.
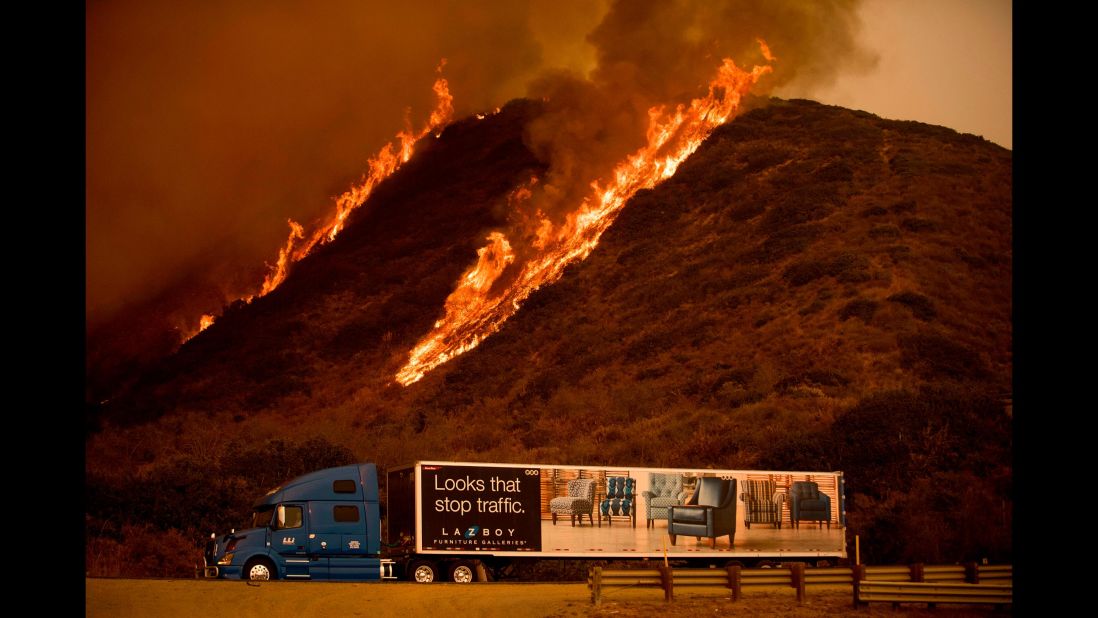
<point x="620" y="500"/>
<point x="579" y="501"/>
<point x="664" y="490"/>
<point x="808" y="503"/>
<point x="762" y="503"/>
<point x="711" y="512"/>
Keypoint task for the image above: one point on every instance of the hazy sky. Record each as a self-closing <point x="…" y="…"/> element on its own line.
<point x="210" y="124"/>
<point x="945" y="62"/>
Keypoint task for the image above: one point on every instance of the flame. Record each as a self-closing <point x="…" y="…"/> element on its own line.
<point x="281" y="268"/>
<point x="765" y="50"/>
<point x="473" y="312"/>
<point x="380" y="166"/>
<point x="468" y="304"/>
<point x="204" y="322"/>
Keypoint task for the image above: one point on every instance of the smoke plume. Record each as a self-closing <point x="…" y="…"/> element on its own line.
<point x="211" y="124"/>
<point x="664" y="53"/>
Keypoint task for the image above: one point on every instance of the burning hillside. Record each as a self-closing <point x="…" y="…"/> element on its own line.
<point x="663" y="76"/>
<point x="807" y="268"/>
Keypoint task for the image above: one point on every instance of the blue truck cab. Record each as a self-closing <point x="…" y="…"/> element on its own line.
<point x="323" y="525"/>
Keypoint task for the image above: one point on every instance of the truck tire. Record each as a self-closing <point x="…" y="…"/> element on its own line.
<point x="463" y="572"/>
<point x="422" y="571"/>
<point x="259" y="570"/>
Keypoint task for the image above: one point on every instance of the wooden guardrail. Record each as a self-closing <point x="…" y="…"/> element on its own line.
<point x="734" y="579"/>
<point x="932" y="593"/>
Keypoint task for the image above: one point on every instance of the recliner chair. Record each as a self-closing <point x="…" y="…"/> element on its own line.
<point x="809" y="504"/>
<point x="711" y="512"/>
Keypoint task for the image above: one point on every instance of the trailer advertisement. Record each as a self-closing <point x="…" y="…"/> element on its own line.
<point x="473" y="508"/>
<point x="600" y="511"/>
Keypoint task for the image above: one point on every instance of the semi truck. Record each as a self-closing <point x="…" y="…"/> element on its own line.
<point x="464" y="521"/>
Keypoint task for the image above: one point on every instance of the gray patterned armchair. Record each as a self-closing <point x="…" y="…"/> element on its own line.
<point x="664" y="490"/>
<point x="579" y="501"/>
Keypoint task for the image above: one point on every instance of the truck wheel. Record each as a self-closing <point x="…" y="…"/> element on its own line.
<point x="422" y="571"/>
<point x="259" y="570"/>
<point x="462" y="573"/>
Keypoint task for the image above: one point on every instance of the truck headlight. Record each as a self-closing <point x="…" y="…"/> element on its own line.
<point x="226" y="559"/>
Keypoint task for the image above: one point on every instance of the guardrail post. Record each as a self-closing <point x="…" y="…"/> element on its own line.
<point x="734" y="579"/>
<point x="796" y="575"/>
<point x="972" y="573"/>
<point x="917" y="572"/>
<point x="857" y="574"/>
<point x="596" y="586"/>
<point x="666" y="580"/>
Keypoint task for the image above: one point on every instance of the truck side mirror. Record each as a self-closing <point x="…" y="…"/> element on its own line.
<point x="280" y="518"/>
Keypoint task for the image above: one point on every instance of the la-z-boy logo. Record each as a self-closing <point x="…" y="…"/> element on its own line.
<point x="473" y="531"/>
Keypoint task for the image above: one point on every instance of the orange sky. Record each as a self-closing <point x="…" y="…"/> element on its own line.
<point x="210" y="124"/>
<point x="945" y="62"/>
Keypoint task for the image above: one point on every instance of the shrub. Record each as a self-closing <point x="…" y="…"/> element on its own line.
<point x="836" y="171"/>
<point x="801" y="273"/>
<point x="859" y="308"/>
<point x="889" y="232"/>
<point x="789" y="241"/>
<point x="915" y="224"/>
<point x="933" y="356"/>
<point x="920" y="305"/>
<point x="845" y="267"/>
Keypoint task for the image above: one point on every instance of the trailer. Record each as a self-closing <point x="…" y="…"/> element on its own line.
<point x="460" y="521"/>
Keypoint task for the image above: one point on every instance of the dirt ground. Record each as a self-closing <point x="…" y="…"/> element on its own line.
<point x="211" y="599"/>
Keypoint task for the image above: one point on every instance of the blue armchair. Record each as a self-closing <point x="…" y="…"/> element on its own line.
<point x="620" y="500"/>
<point x="711" y="512"/>
<point x="808" y="503"/>
<point x="664" y="490"/>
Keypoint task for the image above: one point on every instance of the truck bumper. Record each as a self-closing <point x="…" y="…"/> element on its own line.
<point x="212" y="571"/>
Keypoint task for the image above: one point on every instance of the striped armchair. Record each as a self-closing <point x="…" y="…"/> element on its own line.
<point x="579" y="501"/>
<point x="664" y="490"/>
<point x="762" y="503"/>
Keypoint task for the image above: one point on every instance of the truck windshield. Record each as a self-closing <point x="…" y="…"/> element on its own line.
<point x="261" y="517"/>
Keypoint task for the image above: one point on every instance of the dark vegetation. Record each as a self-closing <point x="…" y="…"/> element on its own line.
<point x="815" y="288"/>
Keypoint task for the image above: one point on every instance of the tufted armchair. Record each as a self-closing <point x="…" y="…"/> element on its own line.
<point x="620" y="501"/>
<point x="809" y="504"/>
<point x="711" y="512"/>
<point x="664" y="490"/>
<point x="579" y="501"/>
<point x="762" y="503"/>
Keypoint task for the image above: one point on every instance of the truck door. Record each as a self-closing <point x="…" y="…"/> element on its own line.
<point x="338" y="540"/>
<point x="289" y="540"/>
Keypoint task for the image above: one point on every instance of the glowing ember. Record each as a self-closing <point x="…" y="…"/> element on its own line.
<point x="474" y="310"/>
<point x="381" y="166"/>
